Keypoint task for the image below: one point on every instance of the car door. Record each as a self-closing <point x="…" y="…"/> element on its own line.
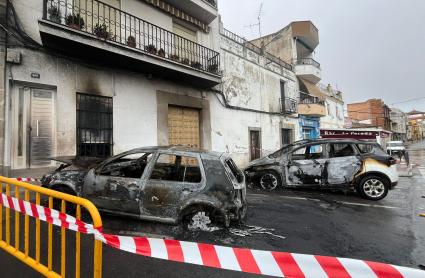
<point x="305" y="165"/>
<point x="172" y="179"/>
<point x="115" y="184"/>
<point x="344" y="163"/>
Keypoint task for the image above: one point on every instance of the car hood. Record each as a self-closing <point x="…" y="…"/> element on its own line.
<point x="79" y="162"/>
<point x="262" y="161"/>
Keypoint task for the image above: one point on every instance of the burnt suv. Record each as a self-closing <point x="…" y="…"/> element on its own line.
<point x="325" y="163"/>
<point x="164" y="184"/>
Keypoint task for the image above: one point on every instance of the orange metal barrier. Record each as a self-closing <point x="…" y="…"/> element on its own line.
<point x="6" y="186"/>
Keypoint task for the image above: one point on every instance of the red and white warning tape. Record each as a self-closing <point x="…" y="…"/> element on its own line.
<point x="26" y="179"/>
<point x="277" y="264"/>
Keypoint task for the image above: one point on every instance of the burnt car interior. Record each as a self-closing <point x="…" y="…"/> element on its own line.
<point x="177" y="168"/>
<point x="308" y="152"/>
<point x="129" y="166"/>
<point x="341" y="150"/>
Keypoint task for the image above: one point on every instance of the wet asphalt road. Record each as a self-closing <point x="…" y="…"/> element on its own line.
<point x="313" y="222"/>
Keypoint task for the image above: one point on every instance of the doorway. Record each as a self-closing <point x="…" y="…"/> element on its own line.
<point x="286" y="136"/>
<point x="184" y="126"/>
<point x="254" y="144"/>
<point x="33" y="141"/>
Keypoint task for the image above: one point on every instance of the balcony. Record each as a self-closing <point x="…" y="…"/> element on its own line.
<point x="204" y="10"/>
<point x="309" y="69"/>
<point x="288" y="106"/>
<point x="97" y="32"/>
<point x="312" y="106"/>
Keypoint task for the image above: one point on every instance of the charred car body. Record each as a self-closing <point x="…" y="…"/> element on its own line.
<point x="325" y="163"/>
<point x="164" y="184"/>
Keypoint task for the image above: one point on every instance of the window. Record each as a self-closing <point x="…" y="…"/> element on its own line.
<point x="341" y="150"/>
<point x="128" y="166"/>
<point x="94" y="125"/>
<point x="370" y="149"/>
<point x="176" y="168"/>
<point x="282" y="89"/>
<point x="307" y="133"/>
<point x="184" y="32"/>
<point x="309" y="152"/>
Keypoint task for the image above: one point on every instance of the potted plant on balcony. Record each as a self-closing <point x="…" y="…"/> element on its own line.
<point x="196" y="65"/>
<point x="213" y="68"/>
<point x="54" y="14"/>
<point x="101" y="31"/>
<point x="75" y="21"/>
<point x="175" y="57"/>
<point x="186" y="61"/>
<point x="131" y="41"/>
<point x="151" y="49"/>
<point x="161" y="53"/>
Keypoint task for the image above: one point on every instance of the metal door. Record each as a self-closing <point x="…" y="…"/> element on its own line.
<point x="40" y="128"/>
<point x="307" y="166"/>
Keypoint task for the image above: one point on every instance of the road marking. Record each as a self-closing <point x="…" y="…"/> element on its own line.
<point x="337" y="202"/>
<point x="368" y="205"/>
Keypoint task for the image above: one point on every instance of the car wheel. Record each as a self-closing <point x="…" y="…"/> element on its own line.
<point x="269" y="180"/>
<point x="201" y="220"/>
<point x="373" y="187"/>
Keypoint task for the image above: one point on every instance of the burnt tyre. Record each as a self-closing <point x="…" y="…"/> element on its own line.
<point x="200" y="218"/>
<point x="373" y="187"/>
<point x="269" y="180"/>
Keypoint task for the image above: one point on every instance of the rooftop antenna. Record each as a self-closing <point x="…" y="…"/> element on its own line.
<point x="260" y="13"/>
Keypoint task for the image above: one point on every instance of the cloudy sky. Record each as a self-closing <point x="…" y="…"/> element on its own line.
<point x="368" y="48"/>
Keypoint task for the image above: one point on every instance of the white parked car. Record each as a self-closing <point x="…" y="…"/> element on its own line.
<point x="396" y="148"/>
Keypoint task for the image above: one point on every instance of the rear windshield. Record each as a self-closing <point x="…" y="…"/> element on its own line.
<point x="235" y="170"/>
<point x="371" y="149"/>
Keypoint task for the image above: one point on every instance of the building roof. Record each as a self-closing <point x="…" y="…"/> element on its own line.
<point x="415" y="112"/>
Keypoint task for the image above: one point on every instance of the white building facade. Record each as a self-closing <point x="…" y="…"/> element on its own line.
<point x="334" y="108"/>
<point x="98" y="78"/>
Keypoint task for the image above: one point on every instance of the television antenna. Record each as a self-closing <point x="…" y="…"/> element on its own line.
<point x="258" y="24"/>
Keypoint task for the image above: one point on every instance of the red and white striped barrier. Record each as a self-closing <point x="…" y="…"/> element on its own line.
<point x="26" y="179"/>
<point x="277" y="264"/>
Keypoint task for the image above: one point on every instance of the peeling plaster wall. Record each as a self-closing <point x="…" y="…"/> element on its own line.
<point x="249" y="82"/>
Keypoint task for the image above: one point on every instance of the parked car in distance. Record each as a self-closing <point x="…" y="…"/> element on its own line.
<point x="164" y="184"/>
<point x="327" y="164"/>
<point x="396" y="148"/>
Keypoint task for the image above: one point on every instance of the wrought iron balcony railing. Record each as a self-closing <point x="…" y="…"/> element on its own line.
<point x="249" y="45"/>
<point x="288" y="106"/>
<point x="307" y="61"/>
<point x="114" y="25"/>
<point x="306" y="99"/>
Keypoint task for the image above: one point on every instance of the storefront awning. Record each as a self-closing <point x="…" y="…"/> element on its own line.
<point x="312" y="89"/>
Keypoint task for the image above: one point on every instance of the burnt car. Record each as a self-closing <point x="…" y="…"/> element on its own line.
<point x="164" y="184"/>
<point x="328" y="164"/>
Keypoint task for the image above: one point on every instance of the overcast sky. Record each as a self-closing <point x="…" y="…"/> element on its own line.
<point x="368" y="48"/>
